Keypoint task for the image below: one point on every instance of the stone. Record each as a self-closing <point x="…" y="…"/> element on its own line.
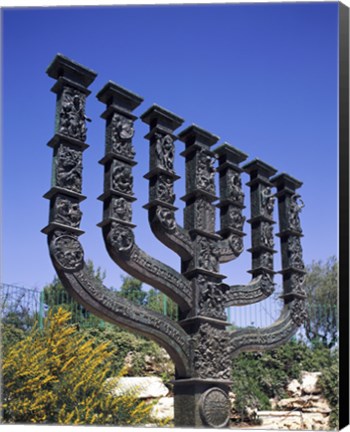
<point x="306" y="401"/>
<point x="281" y="420"/>
<point x="294" y="388"/>
<point x="292" y="420"/>
<point x="321" y="406"/>
<point x="306" y="404"/>
<point x="128" y="361"/>
<point x="273" y="403"/>
<point x="142" y="387"/>
<point x="315" y="421"/>
<point x="232" y="398"/>
<point x="309" y="382"/>
<point x="163" y="409"/>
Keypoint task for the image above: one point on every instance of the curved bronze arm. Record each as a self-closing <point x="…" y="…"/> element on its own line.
<point x="258" y="289"/>
<point x="161" y="212"/>
<point x="263" y="339"/>
<point x="164" y="227"/>
<point x="101" y="301"/>
<point x="121" y="247"/>
<point x="230" y="248"/>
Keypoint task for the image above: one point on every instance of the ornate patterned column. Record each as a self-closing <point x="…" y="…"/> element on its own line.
<point x="68" y="144"/>
<point x="289" y="208"/>
<point x="161" y="176"/>
<point x="262" y="206"/>
<point x="231" y="201"/>
<point x="118" y="162"/>
<point x="203" y="399"/>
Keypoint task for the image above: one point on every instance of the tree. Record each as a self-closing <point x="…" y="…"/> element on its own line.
<point x="132" y="290"/>
<point x="55" y="295"/>
<point x="321" y="286"/>
<point x="17" y="313"/>
<point x="57" y="376"/>
<point x="157" y="301"/>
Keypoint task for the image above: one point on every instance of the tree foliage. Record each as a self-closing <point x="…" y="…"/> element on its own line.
<point x="321" y="286"/>
<point x="131" y="289"/>
<point x="329" y="383"/>
<point x="56" y="376"/>
<point x="55" y="296"/>
<point x="131" y="350"/>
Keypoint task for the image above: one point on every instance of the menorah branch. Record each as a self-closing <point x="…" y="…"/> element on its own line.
<point x="263" y="339"/>
<point x="161" y="176"/>
<point x="258" y="289"/>
<point x="231" y="202"/>
<point x="102" y="302"/>
<point x="118" y="197"/>
<point x="293" y="268"/>
<point x="139" y="264"/>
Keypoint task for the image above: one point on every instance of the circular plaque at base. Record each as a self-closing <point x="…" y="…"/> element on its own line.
<point x="214" y="407"/>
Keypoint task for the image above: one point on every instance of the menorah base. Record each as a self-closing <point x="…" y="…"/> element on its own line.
<point x="201" y="402"/>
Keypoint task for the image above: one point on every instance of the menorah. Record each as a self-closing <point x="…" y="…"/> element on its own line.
<point x="200" y="342"/>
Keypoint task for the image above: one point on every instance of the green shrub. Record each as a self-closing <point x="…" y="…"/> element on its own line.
<point x="56" y="376"/>
<point x="121" y="343"/>
<point x="329" y="383"/>
<point x="258" y="377"/>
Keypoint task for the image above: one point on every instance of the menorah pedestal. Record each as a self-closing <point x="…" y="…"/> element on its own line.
<point x="201" y="402"/>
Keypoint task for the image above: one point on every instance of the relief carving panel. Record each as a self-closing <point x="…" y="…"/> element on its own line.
<point x="72" y="114"/>
<point x="68" y="168"/>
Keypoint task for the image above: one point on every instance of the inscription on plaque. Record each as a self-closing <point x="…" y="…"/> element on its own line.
<point x="215" y="407"/>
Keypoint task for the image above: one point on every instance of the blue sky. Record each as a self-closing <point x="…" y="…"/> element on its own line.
<point x="263" y="77"/>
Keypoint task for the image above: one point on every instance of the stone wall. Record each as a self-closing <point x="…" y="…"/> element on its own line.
<point x="304" y="409"/>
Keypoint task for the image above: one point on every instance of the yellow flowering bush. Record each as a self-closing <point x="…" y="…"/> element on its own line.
<point x="55" y="375"/>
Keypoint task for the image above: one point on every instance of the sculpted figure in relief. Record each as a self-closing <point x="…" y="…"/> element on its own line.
<point x="296" y="205"/>
<point x="68" y="212"/>
<point x="72" y="116"/>
<point x="121" y="209"/>
<point x="165" y="152"/>
<point x="122" y="179"/>
<point x="121" y="134"/>
<point x="236" y="193"/>
<point x="69" y="167"/>
<point x="267" y="201"/>
<point x="205" y="172"/>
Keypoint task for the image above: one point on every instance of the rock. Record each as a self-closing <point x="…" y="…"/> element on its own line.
<point x="159" y="364"/>
<point x="252" y="413"/>
<point x="309" y="382"/>
<point x="128" y="361"/>
<point x="232" y="398"/>
<point x="280" y="420"/>
<point x="321" y="405"/>
<point x="273" y="403"/>
<point x="305" y="402"/>
<point x="294" y="388"/>
<point x="293" y="420"/>
<point x="163" y="409"/>
<point x="141" y="387"/>
<point x="315" y="421"/>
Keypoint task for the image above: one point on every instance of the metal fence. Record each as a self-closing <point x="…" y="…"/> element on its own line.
<point x="30" y="306"/>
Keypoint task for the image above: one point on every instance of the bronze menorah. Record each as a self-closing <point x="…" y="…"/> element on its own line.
<point x="200" y="343"/>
